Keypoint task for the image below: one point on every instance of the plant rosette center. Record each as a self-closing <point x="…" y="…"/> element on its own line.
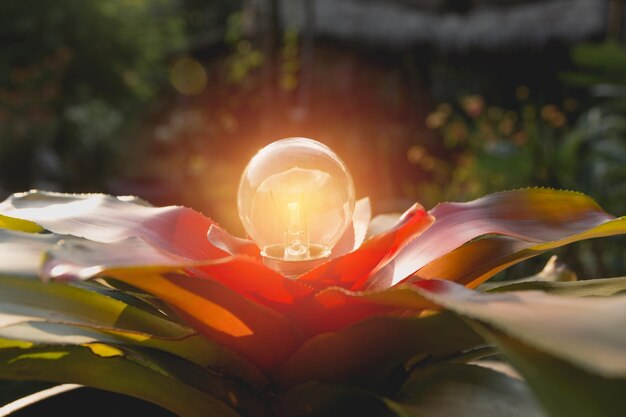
<point x="162" y="304"/>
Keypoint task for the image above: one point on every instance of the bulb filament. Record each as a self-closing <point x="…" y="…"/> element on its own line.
<point x="296" y="237"/>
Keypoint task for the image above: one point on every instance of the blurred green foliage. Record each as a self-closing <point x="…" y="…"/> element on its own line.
<point x="73" y="77"/>
<point x="598" y="63"/>
<point x="593" y="156"/>
<point x="243" y="57"/>
<point x="492" y="148"/>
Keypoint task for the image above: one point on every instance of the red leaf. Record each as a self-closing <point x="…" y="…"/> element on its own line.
<point x="223" y="240"/>
<point x="253" y="279"/>
<point x="349" y="271"/>
<point x="531" y="215"/>
<point x="104" y="218"/>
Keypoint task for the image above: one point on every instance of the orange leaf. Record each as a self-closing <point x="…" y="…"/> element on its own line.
<point x="259" y="333"/>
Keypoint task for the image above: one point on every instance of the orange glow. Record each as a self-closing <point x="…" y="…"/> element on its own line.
<point x="210" y="313"/>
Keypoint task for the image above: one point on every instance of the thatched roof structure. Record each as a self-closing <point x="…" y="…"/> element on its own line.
<point x="451" y="24"/>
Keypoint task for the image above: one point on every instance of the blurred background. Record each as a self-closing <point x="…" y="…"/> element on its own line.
<point x="425" y="100"/>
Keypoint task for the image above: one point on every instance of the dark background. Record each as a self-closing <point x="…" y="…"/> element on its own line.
<point x="425" y="100"/>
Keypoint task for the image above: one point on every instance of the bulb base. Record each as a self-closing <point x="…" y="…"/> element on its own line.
<point x="280" y="253"/>
<point x="292" y="269"/>
<point x="277" y="258"/>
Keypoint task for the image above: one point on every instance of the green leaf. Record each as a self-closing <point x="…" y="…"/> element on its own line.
<point x="438" y="390"/>
<point x="371" y="351"/>
<point x="172" y="383"/>
<point x="570" y="350"/>
<point x="595" y="287"/>
<point x="564" y="389"/>
<point x="62" y="314"/>
<point x="586" y="331"/>
<point x="460" y="390"/>
<point x="315" y="399"/>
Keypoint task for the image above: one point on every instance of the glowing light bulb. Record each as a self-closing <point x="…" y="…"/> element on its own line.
<point x="296" y="199"/>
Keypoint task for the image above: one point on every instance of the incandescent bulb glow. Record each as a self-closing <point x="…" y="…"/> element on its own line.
<point x="296" y="199"/>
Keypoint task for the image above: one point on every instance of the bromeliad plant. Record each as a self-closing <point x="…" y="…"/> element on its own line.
<point x="163" y="305"/>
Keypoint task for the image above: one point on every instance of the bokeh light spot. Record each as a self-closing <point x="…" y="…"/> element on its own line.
<point x="415" y="154"/>
<point x="435" y="120"/>
<point x="188" y="76"/>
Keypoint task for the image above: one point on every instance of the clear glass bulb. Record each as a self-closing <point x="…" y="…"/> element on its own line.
<point x="296" y="199"/>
